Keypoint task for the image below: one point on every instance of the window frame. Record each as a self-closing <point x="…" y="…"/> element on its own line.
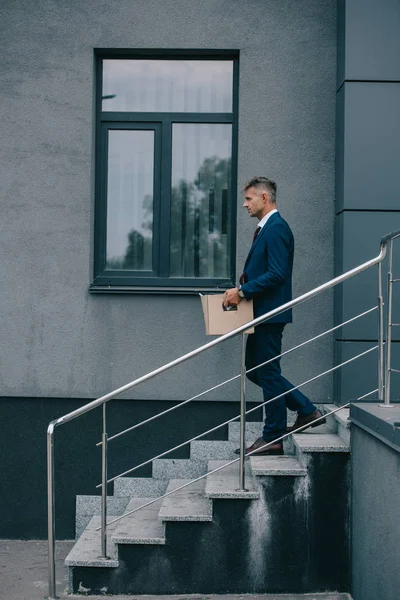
<point x="116" y="281"/>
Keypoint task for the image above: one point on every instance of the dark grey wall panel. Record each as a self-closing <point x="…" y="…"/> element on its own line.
<point x="372" y="41"/>
<point x="361" y="376"/>
<point x="340" y="149"/>
<point x="341" y="41"/>
<point x="358" y="236"/>
<point x="375" y="518"/>
<point x="370" y="146"/>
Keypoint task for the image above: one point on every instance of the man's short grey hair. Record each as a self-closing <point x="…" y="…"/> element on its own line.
<point x="263" y="183"/>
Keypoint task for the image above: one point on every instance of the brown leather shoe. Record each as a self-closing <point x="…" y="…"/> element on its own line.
<point x="307" y="420"/>
<point x="263" y="448"/>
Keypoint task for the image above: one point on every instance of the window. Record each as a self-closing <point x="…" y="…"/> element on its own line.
<point x="165" y="172"/>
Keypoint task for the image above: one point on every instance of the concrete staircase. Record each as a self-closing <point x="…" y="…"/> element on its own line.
<point x="288" y="533"/>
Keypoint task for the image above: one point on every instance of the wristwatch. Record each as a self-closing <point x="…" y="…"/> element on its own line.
<point x="240" y="291"/>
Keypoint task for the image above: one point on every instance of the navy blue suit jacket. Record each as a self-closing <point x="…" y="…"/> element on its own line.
<point x="268" y="269"/>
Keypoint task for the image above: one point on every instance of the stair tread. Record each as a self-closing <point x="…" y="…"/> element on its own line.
<point x="141" y="527"/>
<point x="277" y="465"/>
<point x="188" y="504"/>
<point x="225" y="482"/>
<point x="324" y="442"/>
<point x="87" y="549"/>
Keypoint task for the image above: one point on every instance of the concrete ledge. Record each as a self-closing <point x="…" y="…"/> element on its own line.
<point x="381" y="422"/>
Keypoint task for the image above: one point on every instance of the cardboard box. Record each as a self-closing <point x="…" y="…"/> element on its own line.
<point x="219" y="320"/>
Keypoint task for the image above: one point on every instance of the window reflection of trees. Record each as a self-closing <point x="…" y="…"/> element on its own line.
<point x="199" y="227"/>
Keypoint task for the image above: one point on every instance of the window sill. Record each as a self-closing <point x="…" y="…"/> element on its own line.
<point x="133" y="289"/>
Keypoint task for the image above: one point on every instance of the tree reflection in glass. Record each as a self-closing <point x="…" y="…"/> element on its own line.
<point x="199" y="200"/>
<point x="130" y="199"/>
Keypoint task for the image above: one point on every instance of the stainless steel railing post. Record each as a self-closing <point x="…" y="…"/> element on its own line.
<point x="242" y="481"/>
<point x="104" y="464"/>
<point x="389" y="324"/>
<point x="381" y="365"/>
<point x="51" y="513"/>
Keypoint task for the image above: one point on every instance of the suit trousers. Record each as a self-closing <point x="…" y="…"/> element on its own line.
<point x="264" y="344"/>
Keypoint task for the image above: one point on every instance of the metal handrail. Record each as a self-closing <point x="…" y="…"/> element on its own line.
<point x="248" y="412"/>
<point x="232" y="462"/>
<point x="226" y="336"/>
<point x="143" y="464"/>
<point x="242" y="329"/>
<point x="215" y="387"/>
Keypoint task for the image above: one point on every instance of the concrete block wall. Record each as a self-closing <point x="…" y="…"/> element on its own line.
<point x="62" y="341"/>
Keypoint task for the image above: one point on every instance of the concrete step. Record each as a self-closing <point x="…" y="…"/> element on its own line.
<point x="309" y="443"/>
<point x="339" y="422"/>
<point x="253" y="431"/>
<point x="188" y="504"/>
<point x="171" y="468"/>
<point x="87" y="550"/>
<point x="277" y="466"/>
<point x="141" y="527"/>
<point x="225" y="482"/>
<point x="137" y="487"/>
<point x="207" y="450"/>
<point x="89" y="506"/>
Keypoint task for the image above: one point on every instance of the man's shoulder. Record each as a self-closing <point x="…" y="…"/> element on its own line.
<point x="278" y="222"/>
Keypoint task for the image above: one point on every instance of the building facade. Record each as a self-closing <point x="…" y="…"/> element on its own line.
<point x="128" y="131"/>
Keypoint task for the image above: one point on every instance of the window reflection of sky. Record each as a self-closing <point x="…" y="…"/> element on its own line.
<point x="130" y="183"/>
<point x="167" y="85"/>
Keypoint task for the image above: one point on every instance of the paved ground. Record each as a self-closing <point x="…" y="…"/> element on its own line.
<point x="23" y="576"/>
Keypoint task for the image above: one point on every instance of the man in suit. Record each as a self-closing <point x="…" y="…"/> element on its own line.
<point x="267" y="279"/>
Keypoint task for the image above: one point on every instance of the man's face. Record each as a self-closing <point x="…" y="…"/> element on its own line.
<point x="257" y="202"/>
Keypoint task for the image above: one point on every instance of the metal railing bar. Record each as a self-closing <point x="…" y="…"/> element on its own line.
<point x="395" y="324"/>
<point x="395" y="370"/>
<point x="237" y="417"/>
<point x="235" y="460"/>
<point x="350" y="360"/>
<point x="168" y="410"/>
<point x="276" y="311"/>
<point x="320" y="335"/>
<point x="395" y="280"/>
<point x="390" y="236"/>
<point x="369" y="394"/>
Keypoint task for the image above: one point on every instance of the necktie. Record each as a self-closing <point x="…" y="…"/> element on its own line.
<point x="257" y="231"/>
<point x="242" y="278"/>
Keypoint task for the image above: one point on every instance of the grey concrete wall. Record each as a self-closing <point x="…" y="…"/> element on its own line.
<point x="57" y="339"/>
<point x="367" y="183"/>
<point x="375" y="547"/>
